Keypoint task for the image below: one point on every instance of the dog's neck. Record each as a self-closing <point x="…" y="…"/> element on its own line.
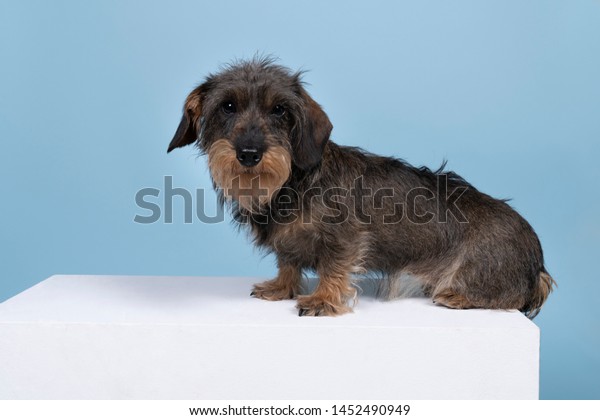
<point x="301" y="179"/>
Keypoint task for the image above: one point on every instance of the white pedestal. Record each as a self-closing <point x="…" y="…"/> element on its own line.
<point x="117" y="337"/>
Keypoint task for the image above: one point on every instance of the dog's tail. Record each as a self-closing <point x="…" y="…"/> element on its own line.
<point x="540" y="293"/>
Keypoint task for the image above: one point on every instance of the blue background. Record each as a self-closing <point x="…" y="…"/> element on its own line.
<point x="507" y="91"/>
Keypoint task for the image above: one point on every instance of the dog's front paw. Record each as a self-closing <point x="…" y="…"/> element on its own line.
<point x="273" y="290"/>
<point x="317" y="306"/>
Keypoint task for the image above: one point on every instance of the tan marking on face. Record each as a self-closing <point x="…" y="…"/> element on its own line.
<point x="250" y="187"/>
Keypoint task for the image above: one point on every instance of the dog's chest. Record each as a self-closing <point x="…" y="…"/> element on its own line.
<point x="298" y="241"/>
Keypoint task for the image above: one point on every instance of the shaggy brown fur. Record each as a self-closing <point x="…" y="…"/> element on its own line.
<point x="250" y="187"/>
<point x="341" y="211"/>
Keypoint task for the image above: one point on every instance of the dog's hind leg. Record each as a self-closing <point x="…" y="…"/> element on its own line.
<point x="451" y="298"/>
<point x="477" y="284"/>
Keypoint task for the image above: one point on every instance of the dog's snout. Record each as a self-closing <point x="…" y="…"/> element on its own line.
<point x="249" y="156"/>
<point x="250" y="146"/>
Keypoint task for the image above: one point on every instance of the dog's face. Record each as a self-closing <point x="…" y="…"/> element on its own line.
<point x="256" y="123"/>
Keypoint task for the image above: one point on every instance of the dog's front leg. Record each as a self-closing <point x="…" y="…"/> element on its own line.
<point x="284" y="286"/>
<point x="331" y="296"/>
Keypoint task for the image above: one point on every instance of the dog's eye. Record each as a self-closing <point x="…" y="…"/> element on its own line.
<point x="278" y="111"/>
<point x="228" y="107"/>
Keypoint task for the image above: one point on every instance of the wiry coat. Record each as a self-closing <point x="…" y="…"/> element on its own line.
<point x="340" y="210"/>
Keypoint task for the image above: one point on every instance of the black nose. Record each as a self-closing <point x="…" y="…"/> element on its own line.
<point x="249" y="157"/>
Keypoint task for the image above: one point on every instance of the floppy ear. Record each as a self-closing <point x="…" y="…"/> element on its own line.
<point x="313" y="134"/>
<point x="192" y="110"/>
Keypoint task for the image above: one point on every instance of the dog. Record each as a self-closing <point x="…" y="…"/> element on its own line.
<point x="344" y="213"/>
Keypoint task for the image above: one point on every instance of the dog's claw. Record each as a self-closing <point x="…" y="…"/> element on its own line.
<point x="252" y="293"/>
<point x="301" y="312"/>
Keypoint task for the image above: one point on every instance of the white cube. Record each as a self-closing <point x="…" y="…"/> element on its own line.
<point x="126" y="337"/>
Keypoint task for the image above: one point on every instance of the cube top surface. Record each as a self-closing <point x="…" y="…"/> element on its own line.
<point x="221" y="301"/>
<point x="107" y="337"/>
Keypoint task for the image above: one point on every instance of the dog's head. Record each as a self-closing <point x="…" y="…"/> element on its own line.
<point x="256" y="123"/>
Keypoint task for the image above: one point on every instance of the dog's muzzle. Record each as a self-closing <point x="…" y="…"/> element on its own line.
<point x="249" y="156"/>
